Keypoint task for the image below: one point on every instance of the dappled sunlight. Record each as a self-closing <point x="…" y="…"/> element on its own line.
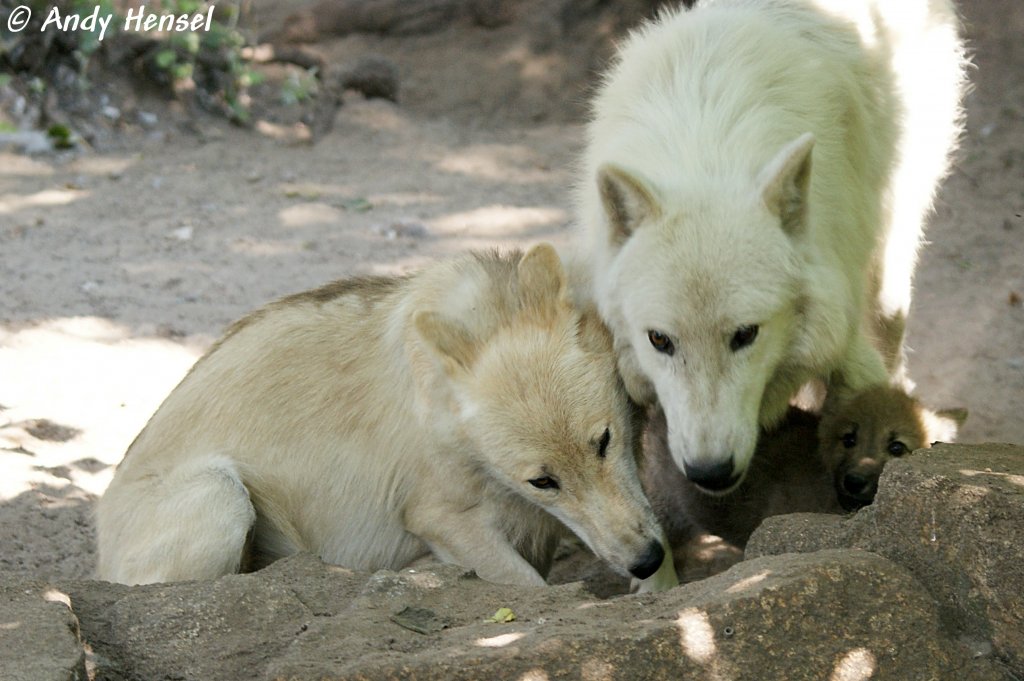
<point x="1016" y="479"/>
<point x="748" y="582"/>
<point x="266" y="247"/>
<point x="499" y="641"/>
<point x="85" y="376"/>
<point x="307" y="214"/>
<point x="297" y="132"/>
<point x="109" y="166"/>
<point x="423" y="580"/>
<point x="597" y="670"/>
<point x="499" y="162"/>
<point x="696" y="636"/>
<point x="377" y="115"/>
<point x="24" y="166"/>
<point x="55" y="596"/>
<point x="857" y="665"/>
<point x="12" y="203"/>
<point x="535" y="675"/>
<point x="532" y="66"/>
<point x="499" y="220"/>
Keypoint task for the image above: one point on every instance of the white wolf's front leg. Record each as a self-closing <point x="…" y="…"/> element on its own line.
<point x="862" y="367"/>
<point x="471" y="538"/>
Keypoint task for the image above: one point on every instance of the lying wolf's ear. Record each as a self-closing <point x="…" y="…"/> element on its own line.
<point x="785" y="182"/>
<point x="942" y="425"/>
<point x="592" y="334"/>
<point x="627" y="202"/>
<point x="449" y="339"/>
<point x="541" y="277"/>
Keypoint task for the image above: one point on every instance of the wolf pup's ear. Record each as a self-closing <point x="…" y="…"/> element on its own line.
<point x="449" y="339"/>
<point x="942" y="425"/>
<point x="627" y="202"/>
<point x="542" y="277"/>
<point x="785" y="183"/>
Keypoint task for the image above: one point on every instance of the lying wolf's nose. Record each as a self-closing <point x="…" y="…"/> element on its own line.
<point x="715" y="478"/>
<point x="649" y="562"/>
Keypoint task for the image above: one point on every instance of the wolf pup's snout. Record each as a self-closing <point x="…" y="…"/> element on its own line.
<point x="649" y="562"/>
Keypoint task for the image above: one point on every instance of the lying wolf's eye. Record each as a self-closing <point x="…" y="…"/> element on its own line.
<point x="849" y="439"/>
<point x="545" y="482"/>
<point x="897" y="448"/>
<point x="661" y="342"/>
<point x="602" y="444"/>
<point x="743" y="337"/>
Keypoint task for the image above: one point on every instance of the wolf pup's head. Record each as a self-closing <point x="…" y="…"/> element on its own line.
<point x="859" y="435"/>
<point x="704" y="294"/>
<point x="541" y="400"/>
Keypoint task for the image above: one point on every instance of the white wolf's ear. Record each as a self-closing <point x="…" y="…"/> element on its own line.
<point x="942" y="425"/>
<point x="627" y="202"/>
<point x="542" y="277"/>
<point x="448" y="338"/>
<point x="785" y="182"/>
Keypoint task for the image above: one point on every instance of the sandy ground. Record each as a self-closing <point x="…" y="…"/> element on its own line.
<point x="117" y="268"/>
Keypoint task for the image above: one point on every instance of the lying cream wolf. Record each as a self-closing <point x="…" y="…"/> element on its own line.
<point x="465" y="410"/>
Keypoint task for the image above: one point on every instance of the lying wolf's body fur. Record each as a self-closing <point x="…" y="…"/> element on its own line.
<point x="755" y="183"/>
<point x="808" y="464"/>
<point x="460" y="410"/>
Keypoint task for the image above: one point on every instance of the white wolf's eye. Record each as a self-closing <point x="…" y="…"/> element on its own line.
<point x="661" y="342"/>
<point x="744" y="336"/>
<point x="544" y="482"/>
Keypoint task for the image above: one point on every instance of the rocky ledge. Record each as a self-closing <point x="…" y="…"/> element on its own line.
<point x="926" y="584"/>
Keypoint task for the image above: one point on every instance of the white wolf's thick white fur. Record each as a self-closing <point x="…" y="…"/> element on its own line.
<point x="372" y="420"/>
<point x="768" y="163"/>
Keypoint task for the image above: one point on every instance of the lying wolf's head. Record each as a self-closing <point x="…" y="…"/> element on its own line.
<point x="704" y="293"/>
<point x="859" y="435"/>
<point x="541" y="401"/>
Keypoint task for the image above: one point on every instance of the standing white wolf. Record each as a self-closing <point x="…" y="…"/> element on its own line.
<point x="756" y="180"/>
<point x="461" y="410"/>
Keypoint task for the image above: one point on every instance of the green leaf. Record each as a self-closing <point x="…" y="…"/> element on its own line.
<point x="503" y="615"/>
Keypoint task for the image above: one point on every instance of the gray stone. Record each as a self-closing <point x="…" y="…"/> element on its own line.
<point x="952" y="516"/>
<point x="39" y="636"/>
<point x="845" y="614"/>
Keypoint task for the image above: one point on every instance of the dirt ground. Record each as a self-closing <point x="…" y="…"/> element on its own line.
<point x="120" y="264"/>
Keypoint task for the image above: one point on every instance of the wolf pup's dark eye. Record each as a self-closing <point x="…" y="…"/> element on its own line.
<point x="897" y="448"/>
<point x="602" y="444"/>
<point x="849" y="440"/>
<point x="661" y="342"/>
<point x="744" y="336"/>
<point x="544" y="482"/>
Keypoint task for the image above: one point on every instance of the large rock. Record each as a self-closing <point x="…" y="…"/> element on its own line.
<point x="844" y="614"/>
<point x="39" y="639"/>
<point x="953" y="516"/>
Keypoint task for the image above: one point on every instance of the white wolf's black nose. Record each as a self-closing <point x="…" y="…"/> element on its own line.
<point x="649" y="562"/>
<point x="715" y="478"/>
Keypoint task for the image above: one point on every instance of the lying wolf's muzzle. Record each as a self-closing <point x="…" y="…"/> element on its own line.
<point x="649" y="562"/>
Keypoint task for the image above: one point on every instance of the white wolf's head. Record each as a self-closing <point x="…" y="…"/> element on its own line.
<point x="543" y="406"/>
<point x="704" y="295"/>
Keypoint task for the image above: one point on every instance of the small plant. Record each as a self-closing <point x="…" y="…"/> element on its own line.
<point x="208" y="62"/>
